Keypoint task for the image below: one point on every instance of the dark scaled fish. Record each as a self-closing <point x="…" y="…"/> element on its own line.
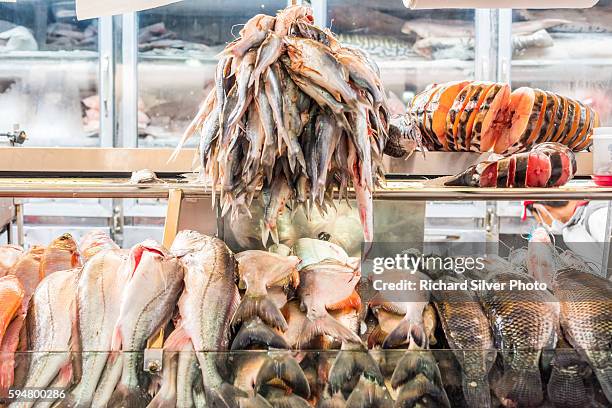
<point x="524" y="324"/>
<point x="586" y="318"/>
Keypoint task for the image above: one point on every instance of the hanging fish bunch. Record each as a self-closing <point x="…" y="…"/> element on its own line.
<point x="295" y="114"/>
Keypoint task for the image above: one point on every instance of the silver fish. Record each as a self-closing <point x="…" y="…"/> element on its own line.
<point x="207" y="305"/>
<point x="99" y="292"/>
<point x="52" y="332"/>
<point x="247" y="66"/>
<point x="148" y="302"/>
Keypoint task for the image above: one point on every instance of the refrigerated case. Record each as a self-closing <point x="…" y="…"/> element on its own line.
<point x="136" y="80"/>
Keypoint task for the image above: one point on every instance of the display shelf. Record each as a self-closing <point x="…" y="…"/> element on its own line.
<point x="395" y="190"/>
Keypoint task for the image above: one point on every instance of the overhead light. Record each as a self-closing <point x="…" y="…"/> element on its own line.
<point x="517" y="4"/>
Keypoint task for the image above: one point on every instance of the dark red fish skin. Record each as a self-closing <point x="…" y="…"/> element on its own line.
<point x="546" y="165"/>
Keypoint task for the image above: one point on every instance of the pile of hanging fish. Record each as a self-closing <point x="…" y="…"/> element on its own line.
<point x="296" y="327"/>
<point x="486" y="116"/>
<point x="295" y="114"/>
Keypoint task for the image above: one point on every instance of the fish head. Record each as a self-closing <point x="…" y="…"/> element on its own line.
<point x="147" y="248"/>
<point x="66" y="242"/>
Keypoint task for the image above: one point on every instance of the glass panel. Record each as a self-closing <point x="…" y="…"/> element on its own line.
<point x="566" y="51"/>
<point x="413" y="48"/>
<point x="49" y="73"/>
<point x="178" y="45"/>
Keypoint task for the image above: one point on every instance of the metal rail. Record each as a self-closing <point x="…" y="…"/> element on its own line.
<point x="400" y="190"/>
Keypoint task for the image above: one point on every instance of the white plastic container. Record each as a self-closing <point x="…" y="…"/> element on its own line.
<point x="602" y="151"/>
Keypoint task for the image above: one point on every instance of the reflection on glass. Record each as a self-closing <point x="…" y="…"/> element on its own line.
<point x="568" y="51"/>
<point x="48" y="73"/>
<point x="177" y="46"/>
<point x="413" y="48"/>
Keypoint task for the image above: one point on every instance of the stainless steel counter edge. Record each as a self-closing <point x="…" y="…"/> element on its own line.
<point x="408" y="190"/>
<point x="125" y="160"/>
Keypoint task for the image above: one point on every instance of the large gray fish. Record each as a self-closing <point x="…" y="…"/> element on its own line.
<point x="149" y="299"/>
<point x="586" y="317"/>
<point x="51" y="332"/>
<point x="469" y="335"/>
<point x="327" y="135"/>
<point x="207" y="306"/>
<point x="99" y="293"/>
<point x="524" y="324"/>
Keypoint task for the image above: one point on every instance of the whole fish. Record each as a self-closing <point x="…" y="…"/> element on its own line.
<point x="274" y="91"/>
<point x="327" y="136"/>
<point x="523" y="325"/>
<point x="242" y="83"/>
<point x="470" y="337"/>
<point x="362" y="75"/>
<point x="52" y="332"/>
<point x="363" y="195"/>
<point x="323" y="286"/>
<point x="292" y="120"/>
<point x="9" y="255"/>
<point x="315" y="61"/>
<point x="258" y="271"/>
<point x="94" y="242"/>
<point x="270" y="50"/>
<point x="266" y="118"/>
<point x="148" y="301"/>
<point x="11" y="297"/>
<point x="207" y="304"/>
<point x="99" y="295"/>
<point x="252" y="34"/>
<point x="27" y="270"/>
<point x="586" y="317"/>
<point x="61" y="255"/>
<point x="256" y="137"/>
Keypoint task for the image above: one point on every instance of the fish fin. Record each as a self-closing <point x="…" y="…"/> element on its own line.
<point x="521" y="387"/>
<point x="177" y="340"/>
<point x="225" y="396"/>
<point x="265" y="233"/>
<point x="351" y="302"/>
<point x="262" y="307"/>
<point x="325" y="325"/>
<point x="128" y="397"/>
<point x="64" y="377"/>
<point x="604" y="376"/>
<point x="376" y="337"/>
<point x="163" y="400"/>
<point x="417" y="390"/>
<point x="117" y="339"/>
<point x="476" y="391"/>
<point x="286" y="369"/>
<point x="369" y="394"/>
<point x="405" y="333"/>
<point x="259" y="334"/>
<point x="274" y="234"/>
<point x="350" y="364"/>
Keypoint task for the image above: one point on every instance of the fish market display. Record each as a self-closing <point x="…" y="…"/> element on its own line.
<point x="486" y="116"/>
<point x="300" y="327"/>
<point x="295" y="113"/>
<point x="545" y="165"/>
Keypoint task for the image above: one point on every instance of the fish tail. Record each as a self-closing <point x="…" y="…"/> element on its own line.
<point x="262" y="307"/>
<point x="259" y="334"/>
<point x="414" y="392"/>
<point x="476" y="392"/>
<point x="350" y="364"/>
<point x="377" y="337"/>
<point x="604" y="376"/>
<point x="407" y="332"/>
<point x="128" y="397"/>
<point x="225" y="396"/>
<point x="286" y="369"/>
<point x="369" y="394"/>
<point x="325" y="325"/>
<point x="523" y="387"/>
<point x="70" y="401"/>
